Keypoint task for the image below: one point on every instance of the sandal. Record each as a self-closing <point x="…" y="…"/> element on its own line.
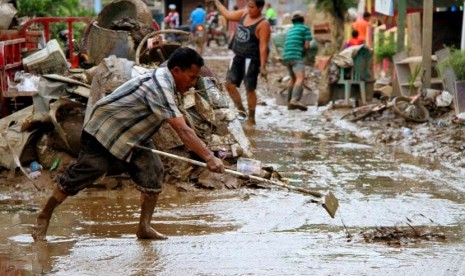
<point x="241" y="115"/>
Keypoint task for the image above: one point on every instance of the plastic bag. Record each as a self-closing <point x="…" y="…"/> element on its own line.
<point x="7" y="13"/>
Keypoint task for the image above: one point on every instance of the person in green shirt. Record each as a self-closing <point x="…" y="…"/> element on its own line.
<point x="296" y="43"/>
<point x="270" y="15"/>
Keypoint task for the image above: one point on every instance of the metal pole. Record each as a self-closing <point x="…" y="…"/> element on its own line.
<point x="462" y="45"/>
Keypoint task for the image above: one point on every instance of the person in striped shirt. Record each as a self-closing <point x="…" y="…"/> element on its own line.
<point x="297" y="42"/>
<point x="133" y="113"/>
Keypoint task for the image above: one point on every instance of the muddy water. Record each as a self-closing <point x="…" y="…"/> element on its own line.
<point x="261" y="231"/>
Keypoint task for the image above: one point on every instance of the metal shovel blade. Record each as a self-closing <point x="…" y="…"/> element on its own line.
<point x="331" y="204"/>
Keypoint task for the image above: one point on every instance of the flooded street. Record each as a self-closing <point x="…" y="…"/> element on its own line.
<point x="258" y="231"/>
<point x="118" y="72"/>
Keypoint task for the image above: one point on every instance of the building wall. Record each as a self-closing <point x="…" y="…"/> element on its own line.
<point x="188" y="7"/>
<point x="185" y="7"/>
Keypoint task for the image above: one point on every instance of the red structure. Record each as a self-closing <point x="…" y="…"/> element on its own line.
<point x="14" y="42"/>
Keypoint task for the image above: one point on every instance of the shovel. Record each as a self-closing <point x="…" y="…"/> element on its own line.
<point x="329" y="202"/>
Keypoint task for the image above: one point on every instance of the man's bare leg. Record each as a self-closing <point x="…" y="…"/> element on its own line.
<point x="252" y="104"/>
<point x="235" y="96"/>
<point x="39" y="231"/>
<point x="145" y="231"/>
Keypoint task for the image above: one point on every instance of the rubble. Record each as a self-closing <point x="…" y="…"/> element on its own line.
<point x="51" y="127"/>
<point x="399" y="236"/>
<point x="48" y="131"/>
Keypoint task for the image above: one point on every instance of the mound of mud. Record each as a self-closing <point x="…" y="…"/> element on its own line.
<point x="398" y="236"/>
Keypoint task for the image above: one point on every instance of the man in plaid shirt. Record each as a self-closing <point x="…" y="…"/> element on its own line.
<point x="133" y="113"/>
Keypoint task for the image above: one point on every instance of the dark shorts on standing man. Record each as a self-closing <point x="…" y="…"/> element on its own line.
<point x="272" y="22"/>
<point x="94" y="161"/>
<point x="244" y="69"/>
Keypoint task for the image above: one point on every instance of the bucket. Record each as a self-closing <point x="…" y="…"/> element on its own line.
<point x="102" y="43"/>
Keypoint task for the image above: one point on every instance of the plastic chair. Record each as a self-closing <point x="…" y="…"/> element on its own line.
<point x="356" y="75"/>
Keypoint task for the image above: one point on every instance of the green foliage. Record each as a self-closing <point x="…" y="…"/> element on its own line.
<point x="60" y="8"/>
<point x="337" y="8"/>
<point x="413" y="78"/>
<point x="456" y="62"/>
<point x="385" y="51"/>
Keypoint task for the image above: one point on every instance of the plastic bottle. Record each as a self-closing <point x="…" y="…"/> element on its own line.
<point x="248" y="166"/>
<point x="441" y="123"/>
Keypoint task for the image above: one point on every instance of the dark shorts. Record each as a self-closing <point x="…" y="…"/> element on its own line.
<point x="94" y="161"/>
<point x="294" y="66"/>
<point x="239" y="71"/>
<point x="272" y="22"/>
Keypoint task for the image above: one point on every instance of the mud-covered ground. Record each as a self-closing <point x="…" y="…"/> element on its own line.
<point x="400" y="214"/>
<point x="439" y="140"/>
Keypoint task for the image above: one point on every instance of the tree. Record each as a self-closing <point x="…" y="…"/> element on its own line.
<point x="60" y="8"/>
<point x="337" y="10"/>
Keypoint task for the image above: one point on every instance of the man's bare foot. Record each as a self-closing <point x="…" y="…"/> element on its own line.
<point x="40" y="229"/>
<point x="251" y="121"/>
<point x="150" y="234"/>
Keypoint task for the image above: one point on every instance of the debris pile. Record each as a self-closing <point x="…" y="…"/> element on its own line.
<point x="48" y="132"/>
<point x="398" y="236"/>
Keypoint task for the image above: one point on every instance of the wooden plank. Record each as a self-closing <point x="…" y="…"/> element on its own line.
<point x="448" y="76"/>
<point x="459" y="97"/>
<point x="415" y="59"/>
<point x="427" y="40"/>
<point x="14" y="93"/>
<point x="402" y="73"/>
<point x="414" y="34"/>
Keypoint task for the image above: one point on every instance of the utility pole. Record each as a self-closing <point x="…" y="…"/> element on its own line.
<point x="427" y="40"/>
<point x="401" y="14"/>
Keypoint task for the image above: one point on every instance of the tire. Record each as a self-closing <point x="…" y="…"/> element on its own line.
<point x="414" y="112"/>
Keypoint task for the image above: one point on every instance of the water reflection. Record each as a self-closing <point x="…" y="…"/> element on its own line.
<point x="256" y="232"/>
<point x="41" y="262"/>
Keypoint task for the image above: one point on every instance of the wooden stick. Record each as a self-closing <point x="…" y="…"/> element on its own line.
<point x="233" y="172"/>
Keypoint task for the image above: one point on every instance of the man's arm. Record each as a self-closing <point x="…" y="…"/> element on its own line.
<point x="190" y="140"/>
<point x="229" y="15"/>
<point x="263" y="34"/>
<point x="308" y="38"/>
<point x="307" y="45"/>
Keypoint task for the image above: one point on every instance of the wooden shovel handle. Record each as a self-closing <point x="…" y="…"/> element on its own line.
<point x="233" y="172"/>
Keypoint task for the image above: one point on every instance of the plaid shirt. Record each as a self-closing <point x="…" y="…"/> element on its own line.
<point x="134" y="112"/>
